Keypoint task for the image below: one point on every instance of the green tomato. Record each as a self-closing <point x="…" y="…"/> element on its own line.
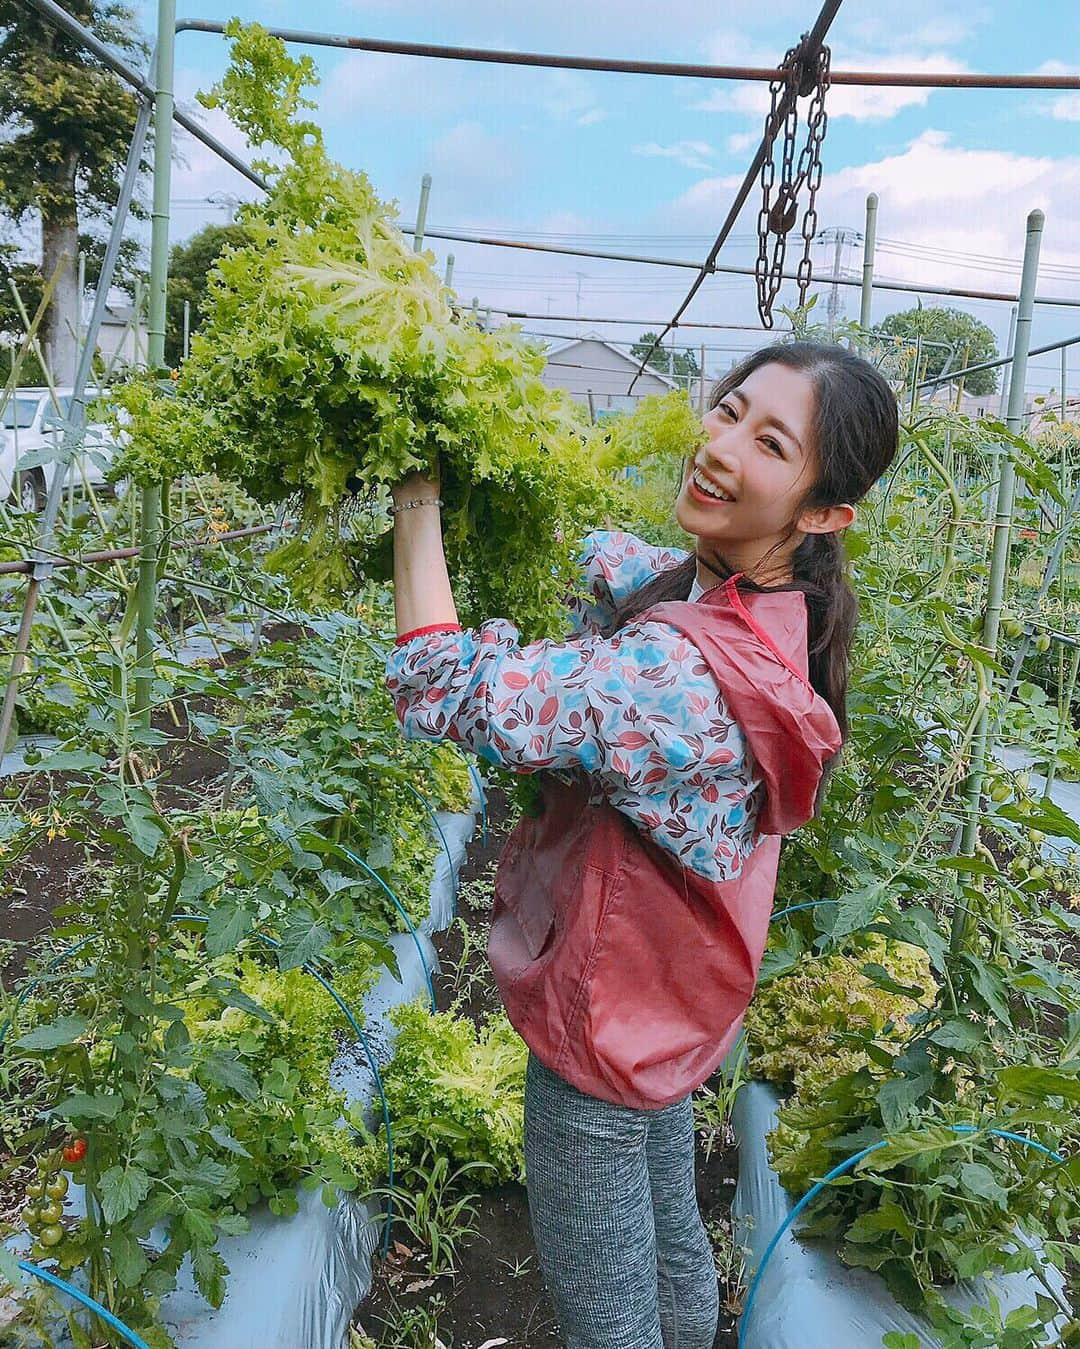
<point x="1037" y="872"/>
<point x="35" y="1189"/>
<point x="1042" y="642"/>
<point x="1036" y="835"/>
<point x="52" y="1212"/>
<point x="57" y="1187"/>
<point x="52" y="1235"/>
<point x="999" y="792"/>
<point x="32" y="1217"/>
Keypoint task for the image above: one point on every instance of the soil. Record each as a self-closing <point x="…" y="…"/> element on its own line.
<point x="497" y="1292"/>
<point x="53" y="872"/>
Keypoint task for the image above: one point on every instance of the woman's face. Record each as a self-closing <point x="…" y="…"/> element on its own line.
<point x="761" y="456"/>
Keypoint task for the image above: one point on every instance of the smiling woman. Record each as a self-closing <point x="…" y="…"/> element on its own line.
<point x="679" y="741"/>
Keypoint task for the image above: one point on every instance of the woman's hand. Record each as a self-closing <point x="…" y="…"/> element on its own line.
<point x="417" y="486"/>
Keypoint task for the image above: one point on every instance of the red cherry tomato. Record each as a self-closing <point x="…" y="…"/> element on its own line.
<point x="76" y="1151"/>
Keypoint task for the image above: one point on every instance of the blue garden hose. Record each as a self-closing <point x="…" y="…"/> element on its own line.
<point x="446" y="847"/>
<point x="86" y="1300"/>
<point x="839" y="1171"/>
<point x="400" y="908"/>
<point x="794" y="908"/>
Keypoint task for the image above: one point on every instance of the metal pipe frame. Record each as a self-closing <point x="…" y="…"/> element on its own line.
<point x="682" y="70"/>
<point x="126" y="554"/>
<point x="809" y="48"/>
<point x="75" y="426"/>
<point x="982" y="742"/>
<point x="1000" y="361"/>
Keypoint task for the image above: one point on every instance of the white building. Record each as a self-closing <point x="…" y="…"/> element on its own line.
<point x="122" y="341"/>
<point x="589" y="365"/>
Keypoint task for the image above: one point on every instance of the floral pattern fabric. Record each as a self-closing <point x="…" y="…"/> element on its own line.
<point x="640" y="712"/>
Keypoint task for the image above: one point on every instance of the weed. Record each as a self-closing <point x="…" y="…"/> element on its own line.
<point x="436" y="1217"/>
<point x="730" y="1260"/>
<point x="406" y="1328"/>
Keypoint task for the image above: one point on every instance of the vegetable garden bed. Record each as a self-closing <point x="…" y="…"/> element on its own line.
<point x="925" y="969"/>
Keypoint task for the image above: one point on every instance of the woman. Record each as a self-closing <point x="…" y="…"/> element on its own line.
<point x="685" y="727"/>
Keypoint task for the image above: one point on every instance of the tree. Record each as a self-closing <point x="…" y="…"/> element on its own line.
<point x="679" y="365"/>
<point x="67" y="122"/>
<point x="972" y="342"/>
<point x="190" y="265"/>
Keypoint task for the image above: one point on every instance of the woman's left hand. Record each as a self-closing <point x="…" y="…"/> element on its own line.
<point x="418" y="486"/>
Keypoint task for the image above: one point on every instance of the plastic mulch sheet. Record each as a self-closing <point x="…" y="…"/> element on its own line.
<point x="807" y="1296"/>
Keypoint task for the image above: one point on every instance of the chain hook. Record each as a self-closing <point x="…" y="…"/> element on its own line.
<point x="800" y="75"/>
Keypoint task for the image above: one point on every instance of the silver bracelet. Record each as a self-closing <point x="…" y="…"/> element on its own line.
<point x="418" y="501"/>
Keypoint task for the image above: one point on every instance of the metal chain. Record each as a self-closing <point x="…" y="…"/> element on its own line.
<point x="777" y="216"/>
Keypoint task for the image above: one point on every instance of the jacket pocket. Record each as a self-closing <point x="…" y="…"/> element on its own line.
<point x="528" y="895"/>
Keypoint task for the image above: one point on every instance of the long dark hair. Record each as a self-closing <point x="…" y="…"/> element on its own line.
<point x="856" y="434"/>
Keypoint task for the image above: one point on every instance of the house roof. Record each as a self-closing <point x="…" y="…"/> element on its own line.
<point x="559" y="348"/>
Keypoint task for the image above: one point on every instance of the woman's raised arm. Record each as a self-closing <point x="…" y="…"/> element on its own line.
<point x="422" y="594"/>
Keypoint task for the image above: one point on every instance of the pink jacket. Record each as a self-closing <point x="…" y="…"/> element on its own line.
<point x="625" y="972"/>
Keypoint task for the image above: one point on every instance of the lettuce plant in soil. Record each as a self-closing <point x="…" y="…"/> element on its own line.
<point x="330" y="364"/>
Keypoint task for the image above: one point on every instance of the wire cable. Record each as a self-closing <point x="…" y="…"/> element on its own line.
<point x="401" y="909"/>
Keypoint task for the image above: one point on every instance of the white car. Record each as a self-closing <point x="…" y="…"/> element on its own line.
<point x="32" y="430"/>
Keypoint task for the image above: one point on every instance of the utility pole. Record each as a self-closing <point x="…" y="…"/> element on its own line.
<point x="581" y="276"/>
<point x="839" y="236"/>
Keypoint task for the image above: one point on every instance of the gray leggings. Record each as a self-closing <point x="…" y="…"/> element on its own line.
<point x="621" y="1242"/>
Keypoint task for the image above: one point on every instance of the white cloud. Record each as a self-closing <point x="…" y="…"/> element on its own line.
<point x="569" y="96"/>
<point x="1066" y="108"/>
<point x="862" y="104"/>
<point x="740" y="141"/>
<point x="937" y="195"/>
<point x="204" y="188"/>
<point x="371" y="85"/>
<point x="691" y="154"/>
<point x="473" y="164"/>
<point x="881" y="29"/>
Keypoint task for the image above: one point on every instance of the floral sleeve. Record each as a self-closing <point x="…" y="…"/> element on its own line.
<point x="614" y="564"/>
<point x="640" y="711"/>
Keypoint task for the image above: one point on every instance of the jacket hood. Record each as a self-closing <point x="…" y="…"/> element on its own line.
<point x="755" y="646"/>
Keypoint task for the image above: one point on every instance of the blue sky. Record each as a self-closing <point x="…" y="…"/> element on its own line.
<point x="651" y="164"/>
